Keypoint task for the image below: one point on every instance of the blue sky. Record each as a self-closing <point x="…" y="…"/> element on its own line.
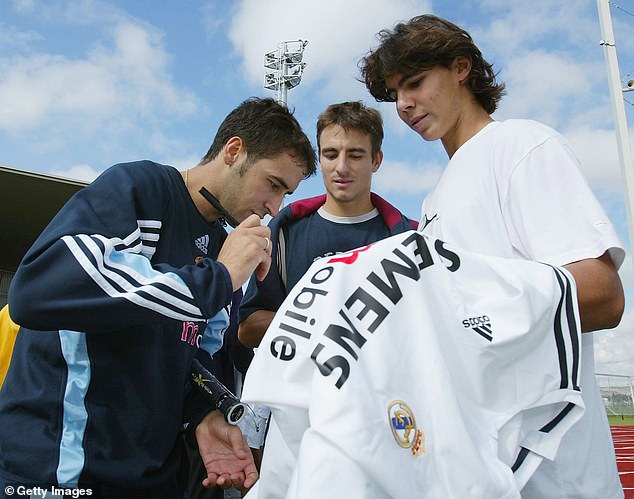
<point x="86" y="84"/>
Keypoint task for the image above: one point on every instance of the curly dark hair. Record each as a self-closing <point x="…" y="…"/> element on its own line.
<point x="267" y="129"/>
<point x="420" y="44"/>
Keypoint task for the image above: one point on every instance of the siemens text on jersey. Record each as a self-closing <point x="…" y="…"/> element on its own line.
<point x="350" y="334"/>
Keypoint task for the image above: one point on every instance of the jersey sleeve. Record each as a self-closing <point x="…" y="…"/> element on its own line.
<point x="91" y="269"/>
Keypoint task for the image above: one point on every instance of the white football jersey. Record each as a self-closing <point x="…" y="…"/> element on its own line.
<point x="410" y="368"/>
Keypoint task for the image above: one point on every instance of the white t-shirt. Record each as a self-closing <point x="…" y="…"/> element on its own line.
<point x="516" y="190"/>
<point x="410" y="368"/>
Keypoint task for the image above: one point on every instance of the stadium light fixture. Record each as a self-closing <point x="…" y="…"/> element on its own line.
<point x="287" y="68"/>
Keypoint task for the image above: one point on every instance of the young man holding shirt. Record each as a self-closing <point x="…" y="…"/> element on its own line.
<point x="504" y="193"/>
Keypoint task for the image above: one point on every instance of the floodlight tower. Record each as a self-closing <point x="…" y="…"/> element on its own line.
<point x="286" y="63"/>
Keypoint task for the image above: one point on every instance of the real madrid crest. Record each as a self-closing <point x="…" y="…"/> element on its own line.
<point x="404" y="430"/>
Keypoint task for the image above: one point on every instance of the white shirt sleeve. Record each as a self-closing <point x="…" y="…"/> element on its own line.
<point x="559" y="221"/>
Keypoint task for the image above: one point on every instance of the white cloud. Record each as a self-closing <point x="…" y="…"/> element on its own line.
<point x="392" y="123"/>
<point x="402" y="177"/>
<point x="543" y="85"/>
<point x="598" y="154"/>
<point x="626" y="272"/>
<point x="88" y="173"/>
<point x="516" y="27"/>
<point x="78" y="172"/>
<point x="212" y="20"/>
<point x="38" y="88"/>
<point x="24" y="6"/>
<point x="613" y="349"/>
<point x="70" y="12"/>
<point x="10" y="36"/>
<point x="184" y="163"/>
<point x="124" y="76"/>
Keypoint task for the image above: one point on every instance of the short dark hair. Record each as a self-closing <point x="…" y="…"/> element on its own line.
<point x="353" y="115"/>
<point x="267" y="129"/>
<point x="420" y="44"/>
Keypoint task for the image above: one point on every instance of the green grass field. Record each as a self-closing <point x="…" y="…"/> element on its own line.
<point x="625" y="420"/>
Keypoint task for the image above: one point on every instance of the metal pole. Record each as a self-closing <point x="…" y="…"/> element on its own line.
<point x="282" y="92"/>
<point x="281" y="89"/>
<point x="616" y="93"/>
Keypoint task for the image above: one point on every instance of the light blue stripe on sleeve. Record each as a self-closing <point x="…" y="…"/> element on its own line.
<point x="215" y="331"/>
<point x="75" y="416"/>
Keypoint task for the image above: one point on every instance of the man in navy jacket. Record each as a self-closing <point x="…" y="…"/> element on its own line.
<point x="134" y="275"/>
